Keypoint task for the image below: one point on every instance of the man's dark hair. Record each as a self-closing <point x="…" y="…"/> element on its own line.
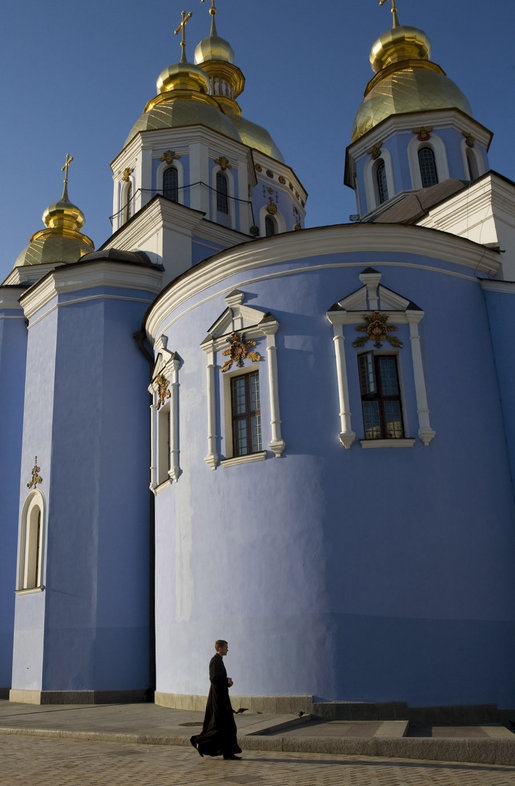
<point x="219" y="643"/>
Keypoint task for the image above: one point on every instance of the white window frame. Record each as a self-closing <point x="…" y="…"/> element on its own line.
<point x="437" y="145"/>
<point x="30" y="549"/>
<point x="279" y="219"/>
<point x="180" y="178"/>
<point x="374" y="297"/>
<point x="231" y="215"/>
<point x="369" y="173"/>
<point x="466" y="151"/>
<point x="255" y="324"/>
<point x="167" y="365"/>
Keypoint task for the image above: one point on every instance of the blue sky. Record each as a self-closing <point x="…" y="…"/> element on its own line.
<point x="76" y="76"/>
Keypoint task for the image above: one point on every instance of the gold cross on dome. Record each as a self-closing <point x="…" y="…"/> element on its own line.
<point x="182" y="26"/>
<point x="64" y="168"/>
<point x="212" y="10"/>
<point x="394" y="12"/>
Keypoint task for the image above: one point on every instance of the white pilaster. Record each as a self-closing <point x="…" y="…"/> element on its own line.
<point x="212" y="457"/>
<point x="346" y="436"/>
<point x="425" y="432"/>
<point x="277" y="445"/>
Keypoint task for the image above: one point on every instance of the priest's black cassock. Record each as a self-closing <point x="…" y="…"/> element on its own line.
<point x="218" y="735"/>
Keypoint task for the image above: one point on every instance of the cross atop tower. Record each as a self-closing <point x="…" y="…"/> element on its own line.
<point x="64" y="168"/>
<point x="182" y="26"/>
<point x="394" y="12"/>
<point x="212" y="10"/>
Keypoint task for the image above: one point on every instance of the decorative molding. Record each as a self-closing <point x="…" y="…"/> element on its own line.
<point x="327" y="241"/>
<point x="36" y="477"/>
<point x="253" y="323"/>
<point x="169" y="156"/>
<point x="406" y="313"/>
<point x="79" y="277"/>
<point x="377" y="331"/>
<point x="233" y="462"/>
<point x="239" y="351"/>
<point x="164" y="388"/>
<point x="387" y="443"/>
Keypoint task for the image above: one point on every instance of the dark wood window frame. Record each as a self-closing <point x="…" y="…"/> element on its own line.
<point x="246" y="415"/>
<point x="171" y="183"/>
<point x="373" y="386"/>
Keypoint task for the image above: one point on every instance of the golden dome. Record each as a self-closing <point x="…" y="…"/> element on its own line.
<point x="257" y="137"/>
<point x="184" y="111"/>
<point x="406" y="81"/>
<point x="214" y="48"/>
<point x="182" y="76"/>
<point x="62" y="241"/>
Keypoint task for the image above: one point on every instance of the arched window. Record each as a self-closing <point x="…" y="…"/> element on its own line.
<point x="31" y="539"/>
<point x="270" y="226"/>
<point x="222" y="200"/>
<point x="427" y="164"/>
<point x="472" y="165"/>
<point x="171" y="184"/>
<point x="382" y="185"/>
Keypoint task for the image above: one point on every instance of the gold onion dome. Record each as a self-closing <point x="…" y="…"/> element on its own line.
<point x="62" y="241"/>
<point x="190" y="95"/>
<point x="405" y="80"/>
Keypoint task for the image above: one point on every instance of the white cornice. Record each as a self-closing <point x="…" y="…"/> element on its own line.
<point x="278" y="168"/>
<point x="9" y="297"/>
<point x="327" y="241"/>
<point x="94" y="274"/>
<point x="504" y="287"/>
<point x="439" y="118"/>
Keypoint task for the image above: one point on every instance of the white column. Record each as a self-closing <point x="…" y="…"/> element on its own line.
<point x="346" y="436"/>
<point x="212" y="456"/>
<point x="277" y="445"/>
<point x="175" y="469"/>
<point x="425" y="432"/>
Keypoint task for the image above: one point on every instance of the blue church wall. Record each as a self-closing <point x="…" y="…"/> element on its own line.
<point x="13" y="347"/>
<point x="98" y="637"/>
<point x="93" y="448"/>
<point x="344" y="553"/>
<point x="500" y="314"/>
<point x="37" y="441"/>
<point x="200" y="251"/>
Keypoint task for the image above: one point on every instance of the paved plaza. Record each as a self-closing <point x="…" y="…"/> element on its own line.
<point x="40" y="761"/>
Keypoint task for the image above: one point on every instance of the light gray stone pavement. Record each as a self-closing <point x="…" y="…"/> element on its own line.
<point x="41" y="761"/>
<point x="160" y="727"/>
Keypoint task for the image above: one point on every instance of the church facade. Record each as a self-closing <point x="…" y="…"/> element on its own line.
<point x="325" y="417"/>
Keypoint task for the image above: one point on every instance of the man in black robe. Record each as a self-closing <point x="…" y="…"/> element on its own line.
<point x="218" y="737"/>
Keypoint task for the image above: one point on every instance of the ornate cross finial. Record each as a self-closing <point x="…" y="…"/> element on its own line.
<point x="182" y="26"/>
<point x="64" y="168"/>
<point x="394" y="12"/>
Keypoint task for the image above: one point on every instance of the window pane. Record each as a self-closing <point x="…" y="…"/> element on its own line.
<point x="222" y="202"/>
<point x="239" y="397"/>
<point x="366" y="374"/>
<point x="389" y="384"/>
<point x="242" y="446"/>
<point x="371" y="420"/>
<point x="426" y="159"/>
<point x="392" y="414"/>
<point x="382" y="186"/>
<point x="170" y="184"/>
<point x="269" y="226"/>
<point x="256" y="433"/>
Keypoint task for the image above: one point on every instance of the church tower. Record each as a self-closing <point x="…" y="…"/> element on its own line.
<point x="413" y="131"/>
<point x="222" y="177"/>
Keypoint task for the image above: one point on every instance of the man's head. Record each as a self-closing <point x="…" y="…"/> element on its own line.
<point x="221" y="646"/>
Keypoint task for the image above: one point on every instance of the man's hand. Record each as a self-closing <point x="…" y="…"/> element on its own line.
<point x="229" y="682"/>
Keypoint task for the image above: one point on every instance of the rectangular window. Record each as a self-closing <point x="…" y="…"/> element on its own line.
<point x="380" y="396"/>
<point x="246" y="414"/>
<point x="163" y="459"/>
